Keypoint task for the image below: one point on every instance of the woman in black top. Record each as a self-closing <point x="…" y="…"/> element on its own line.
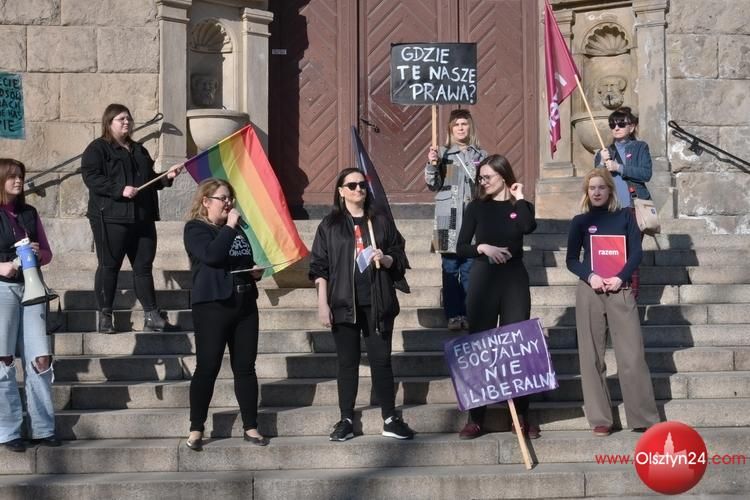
<point x="355" y="297"/>
<point x="492" y="233"/>
<point x="122" y="218"/>
<point x="225" y="311"/>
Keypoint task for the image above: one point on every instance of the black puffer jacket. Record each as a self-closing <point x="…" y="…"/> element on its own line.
<point x="332" y="258"/>
<point x="107" y="168"/>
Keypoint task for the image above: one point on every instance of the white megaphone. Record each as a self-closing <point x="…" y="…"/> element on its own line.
<point x="35" y="291"/>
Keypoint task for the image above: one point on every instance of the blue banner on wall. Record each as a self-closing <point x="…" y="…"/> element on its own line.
<point x="11" y="107"/>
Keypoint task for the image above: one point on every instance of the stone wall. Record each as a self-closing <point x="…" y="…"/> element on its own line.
<point x="76" y="56"/>
<point x="708" y="92"/>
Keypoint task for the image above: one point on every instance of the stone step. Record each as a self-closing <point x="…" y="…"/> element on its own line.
<point x="425" y="296"/>
<point x="318" y="420"/>
<point x="405" y="364"/>
<point x="431" y="317"/>
<point x="300" y="341"/>
<point x="409" y="390"/>
<point x="422" y="258"/>
<point x="429" y="483"/>
<point x="366" y="452"/>
<point x="434" y="483"/>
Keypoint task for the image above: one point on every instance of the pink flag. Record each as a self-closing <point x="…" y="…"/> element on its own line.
<point x="560" y="71"/>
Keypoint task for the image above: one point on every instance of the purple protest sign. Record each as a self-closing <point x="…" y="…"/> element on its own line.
<point x="500" y="364"/>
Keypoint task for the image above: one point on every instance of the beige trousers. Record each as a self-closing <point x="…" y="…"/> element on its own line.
<point x="594" y="312"/>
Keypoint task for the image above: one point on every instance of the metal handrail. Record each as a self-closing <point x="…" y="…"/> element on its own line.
<point x="30" y="187"/>
<point x="697" y="144"/>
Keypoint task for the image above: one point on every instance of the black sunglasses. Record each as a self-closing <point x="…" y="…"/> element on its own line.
<point x="619" y="124"/>
<point x="351" y="186"/>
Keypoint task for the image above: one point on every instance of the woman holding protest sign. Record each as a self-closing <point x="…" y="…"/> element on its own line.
<point x="629" y="162"/>
<point x="356" y="296"/>
<point x="611" y="244"/>
<point x="492" y="234"/>
<point x="450" y="172"/>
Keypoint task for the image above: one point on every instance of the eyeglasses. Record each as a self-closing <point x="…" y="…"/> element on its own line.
<point x="618" y="124"/>
<point x="223" y="199"/>
<point x="484" y="179"/>
<point x="351" y="186"/>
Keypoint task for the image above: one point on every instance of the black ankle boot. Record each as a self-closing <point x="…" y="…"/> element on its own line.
<point x="155" y="322"/>
<point x="106" y="324"/>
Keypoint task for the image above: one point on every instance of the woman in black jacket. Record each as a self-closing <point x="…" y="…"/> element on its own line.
<point x="122" y="218"/>
<point x="225" y="311"/>
<point x="356" y="297"/>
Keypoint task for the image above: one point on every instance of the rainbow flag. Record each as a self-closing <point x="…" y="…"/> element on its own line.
<point x="240" y="160"/>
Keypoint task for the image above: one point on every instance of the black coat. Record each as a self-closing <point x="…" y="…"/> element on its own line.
<point x="106" y="169"/>
<point x="332" y="258"/>
<point x="210" y="263"/>
<point x="27" y="217"/>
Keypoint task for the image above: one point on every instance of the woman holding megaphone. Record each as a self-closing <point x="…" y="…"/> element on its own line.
<point x="23" y="329"/>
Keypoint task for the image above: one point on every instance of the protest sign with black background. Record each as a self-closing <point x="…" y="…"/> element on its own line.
<point x="434" y="73"/>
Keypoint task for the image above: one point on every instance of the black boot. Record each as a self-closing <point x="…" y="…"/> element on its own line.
<point x="154" y="321"/>
<point x="106" y="324"/>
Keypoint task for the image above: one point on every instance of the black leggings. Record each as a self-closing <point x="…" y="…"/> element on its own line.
<point x="113" y="242"/>
<point x="348" y="353"/>
<point x="498" y="295"/>
<point x="232" y="322"/>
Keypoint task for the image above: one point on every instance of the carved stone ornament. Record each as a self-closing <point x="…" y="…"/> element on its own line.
<point x="611" y="91"/>
<point x="209" y="36"/>
<point x="608" y="39"/>
<point x="203" y="90"/>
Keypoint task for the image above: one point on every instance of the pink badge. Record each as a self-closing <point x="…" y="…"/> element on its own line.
<point x="513" y="215"/>
<point x="593" y="229"/>
<point x="629" y="156"/>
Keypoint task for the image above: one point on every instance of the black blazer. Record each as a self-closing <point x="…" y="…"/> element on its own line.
<point x="210" y="263"/>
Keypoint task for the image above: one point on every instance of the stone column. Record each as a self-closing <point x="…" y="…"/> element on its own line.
<point x="255" y="37"/>
<point x="562" y="164"/>
<point x="651" y="86"/>
<point x="173" y="18"/>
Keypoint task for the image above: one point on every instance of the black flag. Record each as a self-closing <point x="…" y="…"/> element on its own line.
<point x="376" y="191"/>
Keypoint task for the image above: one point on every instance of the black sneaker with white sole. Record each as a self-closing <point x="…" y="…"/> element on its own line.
<point x="342" y="431"/>
<point x="396" y="428"/>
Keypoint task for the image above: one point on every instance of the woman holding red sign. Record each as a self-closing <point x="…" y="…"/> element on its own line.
<point x="611" y="244"/>
<point x="492" y="234"/>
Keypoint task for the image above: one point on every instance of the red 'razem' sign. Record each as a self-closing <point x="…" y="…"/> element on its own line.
<point x="608" y="254"/>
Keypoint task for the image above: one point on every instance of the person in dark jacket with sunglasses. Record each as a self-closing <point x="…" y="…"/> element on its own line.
<point x="354" y="277"/>
<point x="629" y="161"/>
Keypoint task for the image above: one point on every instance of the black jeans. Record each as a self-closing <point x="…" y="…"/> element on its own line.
<point x="348" y="353"/>
<point x="499" y="294"/>
<point x="113" y="242"/>
<point x="232" y="322"/>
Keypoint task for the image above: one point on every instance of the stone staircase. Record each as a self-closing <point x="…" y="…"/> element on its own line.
<point x="122" y="400"/>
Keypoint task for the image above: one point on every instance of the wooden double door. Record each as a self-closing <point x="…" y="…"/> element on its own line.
<point x="329" y="71"/>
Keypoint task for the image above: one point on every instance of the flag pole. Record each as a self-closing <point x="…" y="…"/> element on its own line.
<point x="372" y="241"/>
<point x="591" y="115"/>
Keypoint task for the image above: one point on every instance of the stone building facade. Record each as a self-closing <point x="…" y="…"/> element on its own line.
<point x="681" y="60"/>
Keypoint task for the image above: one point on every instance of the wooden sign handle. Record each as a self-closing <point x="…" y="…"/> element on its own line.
<point x="519" y="434"/>
<point x="434" y="129"/>
<point x="372" y="241"/>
